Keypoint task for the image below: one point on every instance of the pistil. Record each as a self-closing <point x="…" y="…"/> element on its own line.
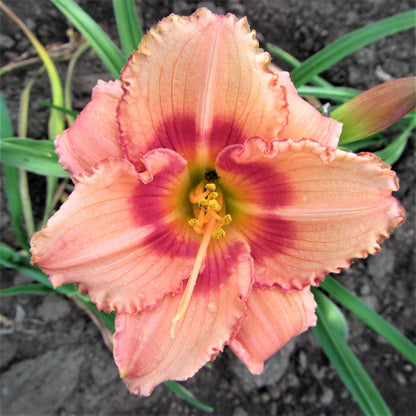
<point x="190" y="286"/>
<point x="208" y="203"/>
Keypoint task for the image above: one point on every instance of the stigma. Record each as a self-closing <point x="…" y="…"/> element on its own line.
<point x="209" y="220"/>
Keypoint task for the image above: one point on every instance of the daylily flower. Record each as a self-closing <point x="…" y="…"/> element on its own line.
<point x="208" y="198"/>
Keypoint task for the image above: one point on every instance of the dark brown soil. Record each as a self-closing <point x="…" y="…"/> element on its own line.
<point x="53" y="360"/>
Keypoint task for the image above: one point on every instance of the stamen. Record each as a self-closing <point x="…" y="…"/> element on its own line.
<point x="198" y="194"/>
<point x="193" y="222"/>
<point x="226" y="220"/>
<point x="218" y="233"/>
<point x="203" y="203"/>
<point x="187" y="294"/>
<point x="214" y="205"/>
<point x="213" y="195"/>
<point x="208" y="222"/>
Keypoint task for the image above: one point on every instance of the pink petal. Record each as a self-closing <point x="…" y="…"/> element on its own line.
<point x="307" y="210"/>
<point x="118" y="238"/>
<point x="273" y="318"/>
<point x="305" y="121"/>
<point x="143" y="349"/>
<point x="196" y="84"/>
<point x="94" y="135"/>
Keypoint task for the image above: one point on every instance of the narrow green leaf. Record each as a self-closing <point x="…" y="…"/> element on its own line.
<point x="100" y="42"/>
<point x="14" y="260"/>
<point x="391" y="154"/>
<point x="374" y="140"/>
<point x="107" y="318"/>
<point x="56" y="107"/>
<point x="336" y="318"/>
<point x="283" y="55"/>
<point x="70" y="117"/>
<point x="344" y="361"/>
<point x="37" y="156"/>
<point x="14" y="200"/>
<point x="11" y="181"/>
<point x="23" y="115"/>
<point x="370" y="317"/>
<point x="294" y="63"/>
<point x="56" y="120"/>
<point x="329" y="93"/>
<point x="349" y="43"/>
<point x="6" y="129"/>
<point x="185" y="394"/>
<point x="22" y="123"/>
<point x="30" y="288"/>
<point x="60" y="189"/>
<point x="128" y="26"/>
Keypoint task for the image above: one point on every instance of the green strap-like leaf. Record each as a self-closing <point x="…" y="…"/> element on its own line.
<point x="22" y="123"/>
<point x="294" y="63"/>
<point x="339" y="94"/>
<point x="376" y="140"/>
<point x="6" y="129"/>
<point x="107" y="318"/>
<point x="343" y="359"/>
<point x="185" y="394"/>
<point x="349" y="43"/>
<point x="370" y="317"/>
<point x="128" y="26"/>
<point x="36" y="156"/>
<point x="70" y="117"/>
<point x="98" y="39"/>
<point x="56" y="120"/>
<point x="30" y="289"/>
<point x="11" y="180"/>
<point x="64" y="110"/>
<point x="14" y="200"/>
<point x="14" y="260"/>
<point x="391" y="154"/>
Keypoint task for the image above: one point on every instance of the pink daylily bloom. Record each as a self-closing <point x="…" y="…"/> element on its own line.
<point x="208" y="198"/>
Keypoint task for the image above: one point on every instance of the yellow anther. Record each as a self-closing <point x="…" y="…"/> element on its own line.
<point x="203" y="203"/>
<point x="193" y="222"/>
<point x="218" y="233"/>
<point x="214" y="205"/>
<point x="213" y="195"/>
<point x="226" y="220"/>
<point x="211" y="187"/>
